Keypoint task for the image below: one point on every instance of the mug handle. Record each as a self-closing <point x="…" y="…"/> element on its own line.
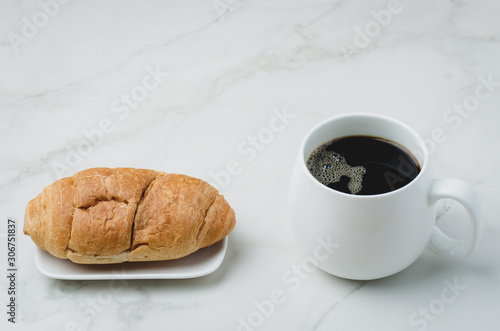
<point x="462" y="192"/>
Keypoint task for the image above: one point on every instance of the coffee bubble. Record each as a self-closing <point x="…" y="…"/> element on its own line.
<point x="329" y="167"/>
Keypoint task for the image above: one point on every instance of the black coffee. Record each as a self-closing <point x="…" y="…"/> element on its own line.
<point x="363" y="165"/>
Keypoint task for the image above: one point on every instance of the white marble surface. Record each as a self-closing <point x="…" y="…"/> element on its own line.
<point x="224" y="68"/>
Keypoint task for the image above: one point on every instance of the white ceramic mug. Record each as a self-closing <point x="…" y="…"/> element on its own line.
<point x="372" y="236"/>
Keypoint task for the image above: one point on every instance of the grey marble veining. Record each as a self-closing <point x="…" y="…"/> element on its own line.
<point x="192" y="87"/>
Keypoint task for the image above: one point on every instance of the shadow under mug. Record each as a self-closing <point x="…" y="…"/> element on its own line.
<point x="366" y="237"/>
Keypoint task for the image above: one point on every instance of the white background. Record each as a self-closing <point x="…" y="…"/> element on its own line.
<point x="65" y="67"/>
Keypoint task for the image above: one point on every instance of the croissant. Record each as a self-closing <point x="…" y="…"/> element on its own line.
<point x="103" y="215"/>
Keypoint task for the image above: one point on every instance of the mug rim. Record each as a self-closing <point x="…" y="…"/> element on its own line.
<point x="410" y="130"/>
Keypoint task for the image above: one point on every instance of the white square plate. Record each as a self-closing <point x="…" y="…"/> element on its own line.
<point x="200" y="263"/>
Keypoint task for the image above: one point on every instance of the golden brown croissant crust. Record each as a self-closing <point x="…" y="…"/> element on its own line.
<point x="104" y="215"/>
